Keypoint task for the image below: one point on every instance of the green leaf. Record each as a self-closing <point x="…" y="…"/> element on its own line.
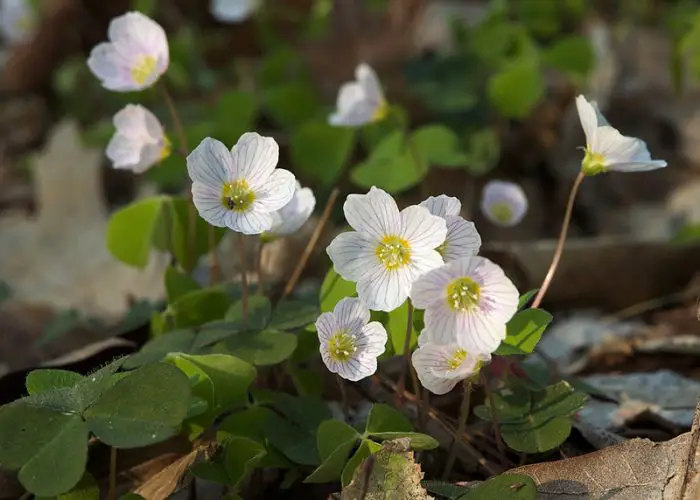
<point x="397" y="327"/>
<point x="333" y="289"/>
<point x="525" y="298"/>
<point x="292" y="314"/>
<point x="214" y="332"/>
<point x="419" y="441"/>
<point x="47" y="379"/>
<point x="306" y="381"/>
<point x="236" y="113"/>
<point x="262" y="348"/>
<point x="161" y="346"/>
<point x="384" y="418"/>
<point x="63" y="323"/>
<point x="391" y="166"/>
<point x="259" y="312"/>
<point x="307" y="412"/>
<point x="199" y="307"/>
<point x="145" y="407"/>
<point x="320" y="151"/>
<point x="438" y="145"/>
<point x="214" y="470"/>
<point x="690" y="233"/>
<point x="86" y="489"/>
<point x="131" y="229"/>
<point x="366" y="449"/>
<point x="297" y="444"/>
<point x="182" y="237"/>
<point x="291" y="104"/>
<point x="572" y="55"/>
<point x="132" y="496"/>
<point x="444" y="490"/>
<point x="331" y="434"/>
<point x="242" y="456"/>
<point x="178" y="284"/>
<point x="515" y="90"/>
<point x="483" y="151"/>
<point x="307" y="345"/>
<point x="524" y="331"/>
<point x="510" y="486"/>
<point x="534" y="421"/>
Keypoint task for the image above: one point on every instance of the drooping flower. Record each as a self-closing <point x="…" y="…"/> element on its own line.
<point x="134" y="58"/>
<point x="360" y="102"/>
<point x="607" y="149"/>
<point x="239" y="189"/>
<point x="504" y="203"/>
<point x="17" y="20"/>
<point x="388" y="250"/>
<point x="462" y="239"/>
<point x="442" y="366"/>
<point x="139" y="142"/>
<point x="294" y="214"/>
<point x="349" y="342"/>
<point x="466" y="301"/>
<point x="233" y="11"/>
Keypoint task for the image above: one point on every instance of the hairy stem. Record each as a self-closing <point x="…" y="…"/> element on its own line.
<point x="258" y="266"/>
<point x="244" y="276"/>
<point x="401" y="387"/>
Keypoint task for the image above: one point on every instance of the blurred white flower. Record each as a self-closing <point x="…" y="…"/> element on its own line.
<point x="388" y="250"/>
<point x="17" y="20"/>
<point x="239" y="189"/>
<point x="504" y="203"/>
<point x="467" y="302"/>
<point x="233" y="11"/>
<point x="462" y="239"/>
<point x="139" y="142"/>
<point x="134" y="58"/>
<point x="441" y="367"/>
<point x="293" y="215"/>
<point x="607" y="149"/>
<point x="360" y="102"/>
<point x="349" y="343"/>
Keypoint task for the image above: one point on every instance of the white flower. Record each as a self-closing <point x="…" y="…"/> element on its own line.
<point x="233" y="11"/>
<point x="139" y="142"/>
<point x="239" y="189"/>
<point x="360" y="102"/>
<point x="467" y="301"/>
<point x="294" y="214"/>
<point x="462" y="239"/>
<point x="349" y="343"/>
<point x="388" y="250"/>
<point x="136" y="56"/>
<point x="606" y="148"/>
<point x="441" y="367"/>
<point x="17" y="20"/>
<point x="504" y="203"/>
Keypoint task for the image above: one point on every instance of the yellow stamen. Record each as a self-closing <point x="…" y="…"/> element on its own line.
<point x="463" y="294"/>
<point x="237" y="196"/>
<point x="381" y="111"/>
<point x="166" y="149"/>
<point x="393" y="252"/>
<point x="593" y="163"/>
<point x="457" y="359"/>
<point x="502" y="212"/>
<point x="341" y="347"/>
<point x="143" y="69"/>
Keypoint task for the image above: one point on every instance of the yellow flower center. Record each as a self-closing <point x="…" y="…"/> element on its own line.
<point x="593" y="163"/>
<point x="143" y="69"/>
<point x="463" y="294"/>
<point x="457" y="359"/>
<point x="502" y="212"/>
<point x="166" y="149"/>
<point x="237" y="196"/>
<point x="381" y="111"/>
<point x="341" y="347"/>
<point x="393" y="252"/>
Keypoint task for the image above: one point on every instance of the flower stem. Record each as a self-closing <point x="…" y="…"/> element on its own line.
<point x="494" y="420"/>
<point x="560" y="243"/>
<point x="401" y="386"/>
<point x="244" y="276"/>
<point x="311" y="244"/>
<point x="343" y="396"/>
<point x="112" y="473"/>
<point x="461" y="427"/>
<point x="258" y="266"/>
<point x="214" y="263"/>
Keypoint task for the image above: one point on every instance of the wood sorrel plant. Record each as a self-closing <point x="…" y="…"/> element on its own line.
<point x="404" y="282"/>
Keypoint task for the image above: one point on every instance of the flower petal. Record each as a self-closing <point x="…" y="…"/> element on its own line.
<point x="426" y="360"/>
<point x="351" y="314"/>
<point x="373" y="340"/>
<point x="358" y="368"/>
<point x="207" y="201"/>
<point x="254" y="159"/>
<point x="291" y="217"/>
<point x="501" y="193"/>
<point x="382" y="289"/>
<point x="326" y="327"/>
<point x="463" y="240"/>
<point x="210" y="163"/>
<point x="369" y="81"/>
<point x="421" y="229"/>
<point x="352" y="255"/>
<point x="443" y="205"/>
<point x="111" y="68"/>
<point x="589" y="120"/>
<point x="422" y="263"/>
<point x="276" y="192"/>
<point x="374" y="214"/>
<point x="250" y="222"/>
<point x="430" y="289"/>
<point x="140" y="32"/>
<point x="123" y="151"/>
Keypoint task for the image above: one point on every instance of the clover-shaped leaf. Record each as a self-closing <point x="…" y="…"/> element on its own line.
<point x="524" y="331"/>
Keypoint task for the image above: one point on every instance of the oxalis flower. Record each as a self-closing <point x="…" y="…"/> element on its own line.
<point x="293" y="215"/>
<point x="388" y="250"/>
<point x="233" y="11"/>
<point x="360" y="102"/>
<point x="17" y="20"/>
<point x="462" y="238"/>
<point x="139" y="142"/>
<point x="468" y="302"/>
<point x="239" y="189"/>
<point x="441" y="367"/>
<point x="134" y="58"/>
<point x="607" y="149"/>
<point x="504" y="203"/>
<point x="349" y="343"/>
